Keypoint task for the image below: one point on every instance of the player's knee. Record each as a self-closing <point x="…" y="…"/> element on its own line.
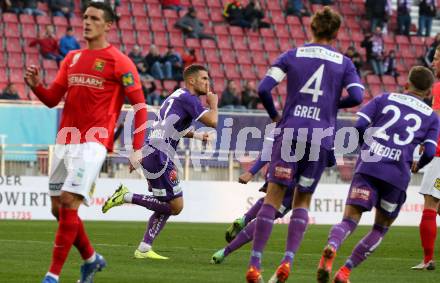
<point x="175" y="210"/>
<point x="69" y="200"/>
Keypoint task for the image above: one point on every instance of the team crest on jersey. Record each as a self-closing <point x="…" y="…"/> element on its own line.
<point x="127" y="79"/>
<point x="283" y="173"/>
<point x="174" y="179"/>
<point x="99" y="65"/>
<point x="75" y="59"/>
<point x="360" y="193"/>
<point x="437" y="184"/>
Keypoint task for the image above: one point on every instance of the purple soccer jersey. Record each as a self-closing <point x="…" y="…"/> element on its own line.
<point x="175" y="116"/>
<point x="316" y="75"/>
<point x="398" y="123"/>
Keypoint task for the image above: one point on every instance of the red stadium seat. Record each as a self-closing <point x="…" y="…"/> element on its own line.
<point x="43" y="20"/>
<point x="157" y="24"/>
<point x="265" y="32"/>
<point x="11" y="30"/>
<point x="141" y="23"/>
<point x="3" y="60"/>
<point x="211" y="56"/>
<point x="9" y="18"/>
<point x="170" y="14"/>
<point x="270" y="44"/>
<point x="3" y="76"/>
<point x="213" y="4"/>
<point x="282" y="31"/>
<point x="259" y="58"/>
<point x="388" y="81"/>
<point x="124" y="9"/>
<point x="272" y="56"/>
<point x="285" y="44"/>
<point x="261" y="71"/>
<point x="160" y="39"/>
<point x="29" y="31"/>
<point x="192" y="43"/>
<point x="32" y="59"/>
<point x="49" y="65"/>
<point x="154" y="11"/>
<point x="144" y="39"/>
<point x="60" y="21"/>
<point x="15" y="60"/>
<point x="22" y="90"/>
<point x="373" y="79"/>
<point x="231" y="71"/>
<point x="125" y="22"/>
<point x="247" y="72"/>
<point x="221" y="30"/>
<point x="176" y="39"/>
<point x="128" y="37"/>
<point x="227" y="56"/>
<point x="223" y="42"/>
<point x="16" y="75"/>
<point x="238" y="43"/>
<point x="208" y="44"/>
<point x="243" y="57"/>
<point x="26" y="19"/>
<point x="216" y="71"/>
<point x="13" y="45"/>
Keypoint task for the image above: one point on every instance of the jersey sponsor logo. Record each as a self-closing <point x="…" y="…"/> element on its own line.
<point x="99" y="65"/>
<point x="127" y="79"/>
<point x="75" y="59"/>
<point x="319" y="53"/>
<point x="86" y="80"/>
<point x="360" y="193"/>
<point x="283" y="173"/>
<point x="174" y="179"/>
<point x="437" y="184"/>
<point x="412" y="102"/>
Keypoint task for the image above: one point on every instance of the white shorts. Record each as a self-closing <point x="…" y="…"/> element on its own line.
<point x="75" y="167"/>
<point x="431" y="179"/>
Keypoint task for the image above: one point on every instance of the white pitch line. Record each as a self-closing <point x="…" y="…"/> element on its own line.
<point x="192" y="249"/>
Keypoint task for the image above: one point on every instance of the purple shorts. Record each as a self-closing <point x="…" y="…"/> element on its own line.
<point x="165" y="186"/>
<point x="305" y="172"/>
<point x="367" y="191"/>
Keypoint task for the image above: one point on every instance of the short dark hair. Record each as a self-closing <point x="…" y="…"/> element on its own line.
<point x="109" y="14"/>
<point x="193" y="69"/>
<point x="69" y="28"/>
<point x="325" y="23"/>
<point x="421" y="78"/>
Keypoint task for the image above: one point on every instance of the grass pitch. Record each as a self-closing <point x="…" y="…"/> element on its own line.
<point x="25" y="251"/>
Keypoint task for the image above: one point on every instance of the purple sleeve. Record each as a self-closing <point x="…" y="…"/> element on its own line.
<point x="257" y="166"/>
<point x="354" y="98"/>
<point x="351" y="78"/>
<point x="194" y="107"/>
<point x="264" y="92"/>
<point x="427" y="156"/>
<point x="430" y="142"/>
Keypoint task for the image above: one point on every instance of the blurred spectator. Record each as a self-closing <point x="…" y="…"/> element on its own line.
<point x="249" y="96"/>
<point x="138" y="59"/>
<point x="230" y="97"/>
<point x="355" y="58"/>
<point x="10" y="92"/>
<point x="374" y="45"/>
<point x="176" y="63"/>
<point x="12" y="6"/>
<point x="234" y="14"/>
<point x="149" y="90"/>
<point x="390" y="64"/>
<point x="48" y="45"/>
<point x="191" y="26"/>
<point x="296" y="8"/>
<point x="189" y="57"/>
<point x="171" y="4"/>
<point x="157" y="66"/>
<point x="429" y="56"/>
<point x="61" y="8"/>
<point x="30" y="7"/>
<point x="427" y="11"/>
<point x="254" y="14"/>
<point x="378" y="11"/>
<point x="404" y="16"/>
<point x="68" y="42"/>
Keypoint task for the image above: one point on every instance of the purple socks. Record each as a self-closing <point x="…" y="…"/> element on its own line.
<point x="245" y="236"/>
<point x="366" y="246"/>
<point x="155" y="225"/>
<point x="297" y="227"/>
<point x="252" y="212"/>
<point x="340" y="232"/>
<point x="152" y="203"/>
<point x="263" y="229"/>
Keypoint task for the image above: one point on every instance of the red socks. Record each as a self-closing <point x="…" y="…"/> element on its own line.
<point x="66" y="234"/>
<point x="428" y="233"/>
<point x="82" y="242"/>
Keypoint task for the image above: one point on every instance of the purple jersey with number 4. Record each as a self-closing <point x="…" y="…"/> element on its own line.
<point x="398" y="123"/>
<point x="316" y="75"/>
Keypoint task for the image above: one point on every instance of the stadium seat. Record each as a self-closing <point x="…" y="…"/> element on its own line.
<point x="192" y="43"/>
<point x="227" y="56"/>
<point x="373" y="79"/>
<point x="22" y="91"/>
<point x="125" y="23"/>
<point x="28" y="31"/>
<point x="60" y="21"/>
<point x="223" y="42"/>
<point x="43" y="21"/>
<point x="77" y="21"/>
<point x="26" y="19"/>
<point x="157" y="24"/>
<point x="15" y="59"/>
<point x="285" y="44"/>
<point x="128" y="37"/>
<point x="160" y="38"/>
<point x="243" y="57"/>
<point x="124" y="9"/>
<point x="213" y="4"/>
<point x="211" y="56"/>
<point x="176" y="38"/>
<point x="261" y="71"/>
<point x="231" y="71"/>
<point x="238" y="43"/>
<point x="16" y="75"/>
<point x="3" y="60"/>
<point x="221" y="30"/>
<point x="170" y="14"/>
<point x="144" y="39"/>
<point x="49" y="65"/>
<point x="266" y="32"/>
<point x="11" y="30"/>
<point x="32" y="59"/>
<point x="270" y="44"/>
<point x="3" y="76"/>
<point x="141" y="23"/>
<point x="216" y="71"/>
<point x="236" y="31"/>
<point x="259" y="58"/>
<point x="9" y="18"/>
<point x="154" y="10"/>
<point x="209" y="44"/>
<point x="247" y="72"/>
<point x="13" y="45"/>
<point x="282" y="31"/>
<point x="389" y="82"/>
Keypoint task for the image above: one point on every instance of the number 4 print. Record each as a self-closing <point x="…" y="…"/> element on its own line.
<point x="315" y="79"/>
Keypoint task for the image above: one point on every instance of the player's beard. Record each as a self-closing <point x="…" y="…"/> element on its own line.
<point x="199" y="92"/>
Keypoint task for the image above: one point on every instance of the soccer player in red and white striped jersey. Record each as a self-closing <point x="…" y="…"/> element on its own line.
<point x="93" y="82"/>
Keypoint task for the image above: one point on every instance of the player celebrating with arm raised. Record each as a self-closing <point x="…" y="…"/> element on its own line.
<point x="94" y="80"/>
<point x="430" y="188"/>
<point x="397" y="124"/>
<point x="316" y="75"/>
<point x="175" y="117"/>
